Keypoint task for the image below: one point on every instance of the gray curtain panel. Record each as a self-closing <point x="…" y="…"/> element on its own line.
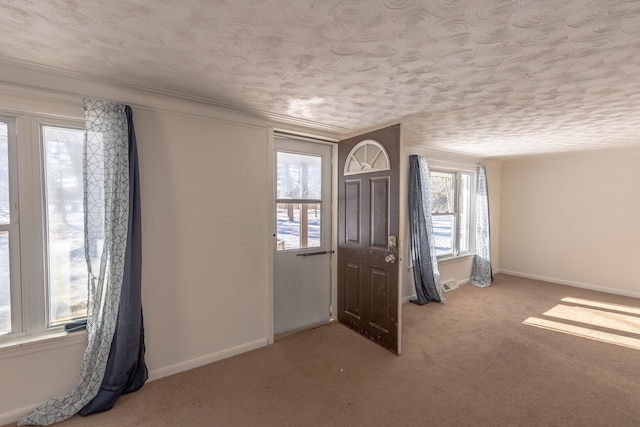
<point x="126" y="368"/>
<point x="425" y="264"/>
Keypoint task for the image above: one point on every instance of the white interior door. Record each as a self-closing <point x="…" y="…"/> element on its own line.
<point x="303" y="248"/>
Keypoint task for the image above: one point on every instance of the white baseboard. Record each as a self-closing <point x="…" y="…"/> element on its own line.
<point x="205" y="360"/>
<point x="11" y="416"/>
<point x="589" y="286"/>
<point x="409" y="298"/>
<point x="414" y="296"/>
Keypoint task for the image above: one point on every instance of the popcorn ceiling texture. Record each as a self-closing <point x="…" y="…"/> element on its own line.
<point x="482" y="77"/>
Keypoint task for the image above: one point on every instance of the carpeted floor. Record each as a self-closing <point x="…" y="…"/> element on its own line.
<point x="481" y="359"/>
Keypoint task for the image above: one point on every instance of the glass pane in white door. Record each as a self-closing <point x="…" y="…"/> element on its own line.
<point x="298" y="201"/>
<point x="299" y="176"/>
<point x="298" y="225"/>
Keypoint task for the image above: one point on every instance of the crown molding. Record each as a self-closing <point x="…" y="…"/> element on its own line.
<point x="69" y="86"/>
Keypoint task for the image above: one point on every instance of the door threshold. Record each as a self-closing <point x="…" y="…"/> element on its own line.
<point x="286" y="335"/>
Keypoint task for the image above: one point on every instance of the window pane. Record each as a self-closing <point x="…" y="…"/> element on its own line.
<point x="67" y="272"/>
<point x="299" y="176"/>
<point x="442" y="192"/>
<point x="5" y="289"/>
<point x="443" y="227"/>
<point x="298" y="225"/>
<point x="4" y="174"/>
<point x="464" y="210"/>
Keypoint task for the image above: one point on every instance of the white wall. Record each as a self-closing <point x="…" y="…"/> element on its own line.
<point x="206" y="242"/>
<point x="207" y="234"/>
<point x="30" y="376"/>
<point x="573" y="219"/>
<point x="494" y="185"/>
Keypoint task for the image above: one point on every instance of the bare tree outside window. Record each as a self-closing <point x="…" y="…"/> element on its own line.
<point x="299" y="192"/>
<point x="65" y="217"/>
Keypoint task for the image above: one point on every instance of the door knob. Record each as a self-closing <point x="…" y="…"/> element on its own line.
<point x="391" y="258"/>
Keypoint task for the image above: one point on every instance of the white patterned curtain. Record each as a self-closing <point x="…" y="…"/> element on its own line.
<point x="106" y="197"/>
<point x="481" y="273"/>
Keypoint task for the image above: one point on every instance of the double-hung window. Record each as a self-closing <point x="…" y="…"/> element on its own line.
<point x="43" y="273"/>
<point x="452" y="201"/>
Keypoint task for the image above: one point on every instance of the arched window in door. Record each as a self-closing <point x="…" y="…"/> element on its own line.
<point x="366" y="156"/>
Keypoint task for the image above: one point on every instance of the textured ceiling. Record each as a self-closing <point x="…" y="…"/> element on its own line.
<point x="483" y="77"/>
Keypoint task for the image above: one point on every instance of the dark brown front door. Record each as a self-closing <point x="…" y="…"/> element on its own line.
<point x="368" y="234"/>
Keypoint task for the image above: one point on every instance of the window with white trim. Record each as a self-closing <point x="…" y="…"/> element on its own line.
<point x="43" y="273"/>
<point x="452" y="196"/>
<point x="9" y="229"/>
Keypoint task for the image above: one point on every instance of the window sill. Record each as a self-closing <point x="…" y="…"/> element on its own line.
<point x="42" y="342"/>
<point x="453" y="258"/>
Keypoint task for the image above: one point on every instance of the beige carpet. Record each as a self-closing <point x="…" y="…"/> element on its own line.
<point x="488" y="357"/>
